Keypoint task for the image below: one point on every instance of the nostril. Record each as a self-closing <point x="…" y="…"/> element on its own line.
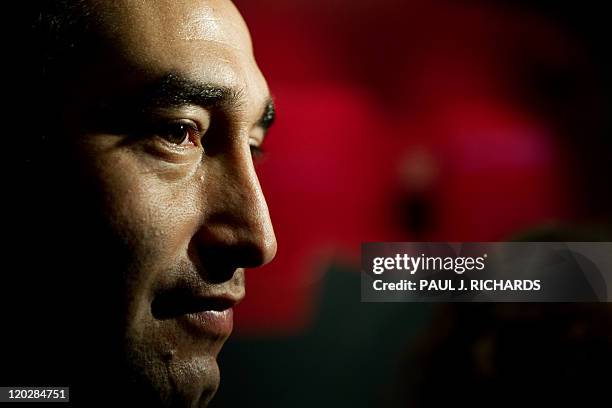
<point x="217" y="267"/>
<point x="218" y="263"/>
<point x="219" y="274"/>
<point x="238" y="255"/>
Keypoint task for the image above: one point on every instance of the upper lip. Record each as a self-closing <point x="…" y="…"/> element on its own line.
<point x="180" y="301"/>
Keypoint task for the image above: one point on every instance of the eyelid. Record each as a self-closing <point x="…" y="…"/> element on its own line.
<point x="199" y="116"/>
<point x="182" y="122"/>
<point x="185" y="122"/>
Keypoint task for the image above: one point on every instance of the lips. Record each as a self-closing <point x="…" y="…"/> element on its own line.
<point x="210" y="322"/>
<point x="199" y="314"/>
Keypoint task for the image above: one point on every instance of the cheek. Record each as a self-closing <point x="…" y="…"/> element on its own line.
<point x="157" y="219"/>
<point x="151" y="218"/>
<point x="153" y="214"/>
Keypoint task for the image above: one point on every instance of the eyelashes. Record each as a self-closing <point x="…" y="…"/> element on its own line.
<point x="257" y="153"/>
<point x="185" y="134"/>
<point x="179" y="133"/>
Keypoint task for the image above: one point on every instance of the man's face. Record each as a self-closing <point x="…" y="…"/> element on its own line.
<point x="164" y="122"/>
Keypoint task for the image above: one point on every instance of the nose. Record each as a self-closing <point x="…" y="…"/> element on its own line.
<point x="236" y="230"/>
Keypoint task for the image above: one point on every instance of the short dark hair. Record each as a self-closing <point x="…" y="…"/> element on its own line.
<point x="62" y="38"/>
<point x="59" y="28"/>
<point x="58" y="38"/>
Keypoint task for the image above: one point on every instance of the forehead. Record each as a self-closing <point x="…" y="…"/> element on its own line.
<point x="206" y="40"/>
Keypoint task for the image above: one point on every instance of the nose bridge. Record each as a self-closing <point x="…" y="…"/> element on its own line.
<point x="237" y="213"/>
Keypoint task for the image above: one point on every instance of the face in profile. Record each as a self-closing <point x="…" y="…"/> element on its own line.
<point x="162" y="121"/>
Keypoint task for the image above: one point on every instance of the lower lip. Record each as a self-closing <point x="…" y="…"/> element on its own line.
<point x="212" y="322"/>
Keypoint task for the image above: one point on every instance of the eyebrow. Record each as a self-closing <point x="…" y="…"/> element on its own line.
<point x="175" y="91"/>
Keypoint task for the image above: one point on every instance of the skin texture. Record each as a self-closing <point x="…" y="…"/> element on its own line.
<point x="172" y="216"/>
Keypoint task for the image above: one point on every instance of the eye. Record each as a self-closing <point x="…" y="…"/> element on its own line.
<point x="182" y="134"/>
<point x="257" y="152"/>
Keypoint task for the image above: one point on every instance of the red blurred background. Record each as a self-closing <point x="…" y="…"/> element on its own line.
<point x="415" y="120"/>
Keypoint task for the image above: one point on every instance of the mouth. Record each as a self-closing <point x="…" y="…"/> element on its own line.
<point x="201" y="315"/>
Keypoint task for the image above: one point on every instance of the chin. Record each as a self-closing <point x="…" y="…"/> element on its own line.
<point x="194" y="382"/>
<point x="172" y="381"/>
